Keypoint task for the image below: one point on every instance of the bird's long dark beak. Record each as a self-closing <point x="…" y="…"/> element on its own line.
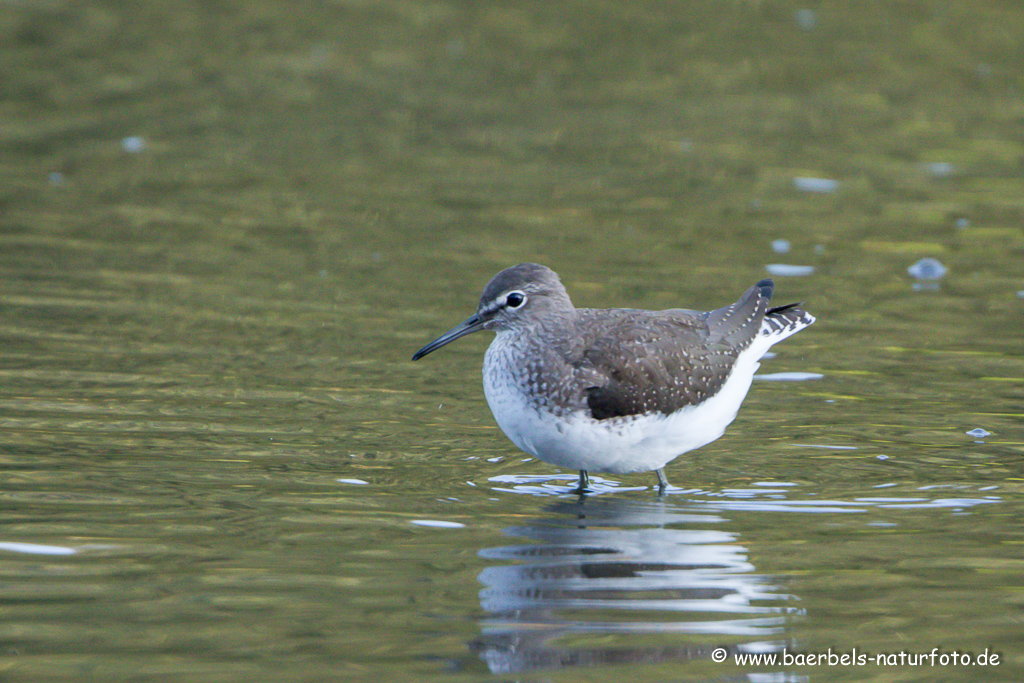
<point x="468" y="326"/>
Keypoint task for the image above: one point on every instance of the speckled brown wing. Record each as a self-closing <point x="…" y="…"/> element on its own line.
<point x="661" y="361"/>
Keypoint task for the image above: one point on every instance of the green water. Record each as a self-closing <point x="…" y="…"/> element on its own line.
<point x="224" y="229"/>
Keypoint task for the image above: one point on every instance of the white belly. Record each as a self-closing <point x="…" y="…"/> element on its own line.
<point x="618" y="445"/>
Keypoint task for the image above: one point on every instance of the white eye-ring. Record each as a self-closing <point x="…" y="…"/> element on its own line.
<point x="515" y="299"/>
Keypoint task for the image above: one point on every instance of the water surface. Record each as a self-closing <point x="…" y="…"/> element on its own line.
<point x="224" y="230"/>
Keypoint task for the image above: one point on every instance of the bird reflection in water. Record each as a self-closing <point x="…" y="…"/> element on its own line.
<point x="640" y="572"/>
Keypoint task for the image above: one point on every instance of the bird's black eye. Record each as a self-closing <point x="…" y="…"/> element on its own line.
<point x="515" y="299"/>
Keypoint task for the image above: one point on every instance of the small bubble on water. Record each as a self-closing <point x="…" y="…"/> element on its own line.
<point x="133" y="144"/>
<point x="806" y="19"/>
<point x="979" y="433"/>
<point x="928" y="268"/>
<point x="939" y="169"/>
<point x="781" y="246"/>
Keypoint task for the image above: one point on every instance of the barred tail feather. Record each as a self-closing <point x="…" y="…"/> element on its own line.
<point x="783" y="321"/>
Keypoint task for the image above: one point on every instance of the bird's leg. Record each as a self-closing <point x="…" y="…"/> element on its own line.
<point x="584" y="483"/>
<point x="662" y="481"/>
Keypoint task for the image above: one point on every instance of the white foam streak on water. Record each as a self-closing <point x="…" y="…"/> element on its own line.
<point x="36" y="549"/>
<point x="438" y="524"/>
<point x="789" y="270"/>
<point x="788" y="376"/>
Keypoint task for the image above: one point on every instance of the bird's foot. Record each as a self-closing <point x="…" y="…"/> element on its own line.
<point x="662" y="481"/>
<point x="584" y="485"/>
